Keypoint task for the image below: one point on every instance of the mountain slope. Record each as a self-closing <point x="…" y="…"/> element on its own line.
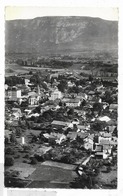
<point x="61" y="35"/>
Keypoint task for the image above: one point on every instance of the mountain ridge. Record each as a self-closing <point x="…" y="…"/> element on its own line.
<point x="60" y="34"/>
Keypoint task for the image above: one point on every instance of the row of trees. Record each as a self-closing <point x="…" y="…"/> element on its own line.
<point x="14" y="80"/>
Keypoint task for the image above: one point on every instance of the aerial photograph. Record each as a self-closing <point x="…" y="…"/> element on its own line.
<point x="61" y="100"/>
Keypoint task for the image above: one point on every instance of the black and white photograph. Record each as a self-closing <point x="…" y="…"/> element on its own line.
<point x="61" y="98"/>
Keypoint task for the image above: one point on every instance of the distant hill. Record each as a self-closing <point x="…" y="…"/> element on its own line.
<point x="52" y="35"/>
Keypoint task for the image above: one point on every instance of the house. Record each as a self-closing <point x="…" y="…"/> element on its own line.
<point x="104" y="138"/>
<point x="80" y="112"/>
<point x="100" y="87"/>
<point x="113" y="141"/>
<point x="33" y="98"/>
<point x="61" y="124"/>
<point x="105" y="134"/>
<point x="113" y="107"/>
<point x="102" y="151"/>
<point x="34" y="114"/>
<point x="6" y="87"/>
<point x="55" y="75"/>
<point x="7" y="134"/>
<point x="16" y="112"/>
<point x="82" y="96"/>
<point x="93" y="99"/>
<point x="104" y="141"/>
<point x="82" y="135"/>
<point x="104" y="118"/>
<point x="72" y="135"/>
<point x="57" y="137"/>
<point x="106" y="151"/>
<point x="71" y="84"/>
<point x="60" y="138"/>
<point x="75" y="121"/>
<point x="42" y="150"/>
<point x="88" y="142"/>
<point x="13" y="94"/>
<point x="91" y="93"/>
<point x="27" y="81"/>
<point x="72" y="102"/>
<point x="111" y="128"/>
<point x="46" y="108"/>
<point x="81" y="127"/>
<point x="56" y="94"/>
<point x="105" y="105"/>
<point x="98" y="151"/>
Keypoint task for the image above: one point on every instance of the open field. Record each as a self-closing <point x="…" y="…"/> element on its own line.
<point x="106" y="178"/>
<point x="13" y="69"/>
<point x="52" y="174"/>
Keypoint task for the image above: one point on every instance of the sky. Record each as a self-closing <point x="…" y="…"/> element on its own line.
<point x="18" y="12"/>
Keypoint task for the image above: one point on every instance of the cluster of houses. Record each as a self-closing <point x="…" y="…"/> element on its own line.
<point x="100" y="143"/>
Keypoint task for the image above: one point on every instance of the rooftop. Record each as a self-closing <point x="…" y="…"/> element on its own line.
<point x="62" y="123"/>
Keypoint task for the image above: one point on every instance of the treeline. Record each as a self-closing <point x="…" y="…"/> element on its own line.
<point x="60" y="64"/>
<point x="14" y="80"/>
<point x="45" y="62"/>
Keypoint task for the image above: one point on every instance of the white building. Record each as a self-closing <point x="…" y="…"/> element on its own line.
<point x="88" y="142"/>
<point x="13" y="94"/>
<point x="56" y="94"/>
<point x="73" y="103"/>
<point x="27" y="81"/>
<point x="70" y="84"/>
<point x="17" y="113"/>
<point x="33" y="98"/>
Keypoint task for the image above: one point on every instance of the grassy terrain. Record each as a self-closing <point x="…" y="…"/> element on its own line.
<point x="107" y="178"/>
<point x="12" y="69"/>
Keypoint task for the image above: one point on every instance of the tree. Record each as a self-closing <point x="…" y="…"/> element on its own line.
<point x="9" y="160"/>
<point x="74" y="89"/>
<point x="37" y="110"/>
<point x="115" y="133"/>
<point x="108" y="98"/>
<point x="30" y="72"/>
<point x="98" y="126"/>
<point x="35" y="79"/>
<point x="71" y="111"/>
<point x="90" y="78"/>
<point x="13" y="80"/>
<point x="97" y="107"/>
<point x="47" y="115"/>
<point x="33" y="160"/>
<point x="18" y="131"/>
<point x="13" y="138"/>
<point x="62" y="85"/>
<point x="60" y="103"/>
<point x="83" y="103"/>
<point x="52" y="80"/>
<point x="9" y="151"/>
<point x="83" y="181"/>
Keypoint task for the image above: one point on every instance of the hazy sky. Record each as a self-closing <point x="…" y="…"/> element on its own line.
<point x="106" y="13"/>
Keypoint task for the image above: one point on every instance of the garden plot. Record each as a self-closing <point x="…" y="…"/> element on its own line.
<point x="24" y="172"/>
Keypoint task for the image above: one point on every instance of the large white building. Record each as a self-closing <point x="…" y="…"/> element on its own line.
<point x="56" y="94"/>
<point x="13" y="94"/>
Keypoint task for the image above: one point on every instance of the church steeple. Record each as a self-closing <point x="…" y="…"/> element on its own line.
<point x="38" y="89"/>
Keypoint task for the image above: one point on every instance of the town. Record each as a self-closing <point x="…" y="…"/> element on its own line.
<point x="61" y="126"/>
